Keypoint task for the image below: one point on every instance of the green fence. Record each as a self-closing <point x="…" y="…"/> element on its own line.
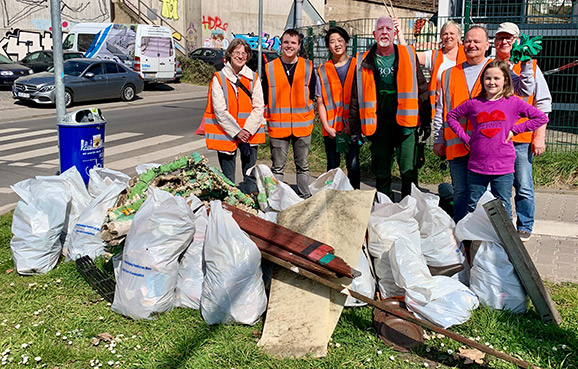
<point x="560" y="51"/>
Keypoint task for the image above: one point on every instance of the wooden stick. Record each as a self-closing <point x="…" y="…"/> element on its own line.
<point x="406" y="315"/>
<point x="299" y="244"/>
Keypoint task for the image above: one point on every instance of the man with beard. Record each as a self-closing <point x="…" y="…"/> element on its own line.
<point x="390" y="105"/>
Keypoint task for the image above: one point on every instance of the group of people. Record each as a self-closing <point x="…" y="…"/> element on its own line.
<point x="488" y="115"/>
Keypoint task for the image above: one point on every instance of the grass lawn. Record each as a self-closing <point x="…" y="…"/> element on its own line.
<point x="52" y="320"/>
<point x="551" y="170"/>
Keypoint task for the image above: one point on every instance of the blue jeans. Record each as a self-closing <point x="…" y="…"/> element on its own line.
<point x="351" y="160"/>
<point x="524" y="186"/>
<point x="501" y="188"/>
<point x="459" y="173"/>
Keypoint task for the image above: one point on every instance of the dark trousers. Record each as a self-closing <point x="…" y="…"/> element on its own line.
<point x="228" y="165"/>
<point x="388" y="143"/>
<point x="351" y="160"/>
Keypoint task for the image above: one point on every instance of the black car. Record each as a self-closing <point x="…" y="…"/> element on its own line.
<point x="268" y="55"/>
<point x="215" y="57"/>
<point x="42" y="60"/>
<point x="10" y="71"/>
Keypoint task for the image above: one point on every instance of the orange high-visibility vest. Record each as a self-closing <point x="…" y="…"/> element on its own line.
<point x="525" y="137"/>
<point x="290" y="108"/>
<point x="336" y="96"/>
<point x="454" y="92"/>
<point x="239" y="105"/>
<point x="407" y="114"/>
<point x="437" y="60"/>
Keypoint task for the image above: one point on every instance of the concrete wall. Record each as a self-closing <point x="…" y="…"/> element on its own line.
<point x="342" y="10"/>
<point x="25" y="20"/>
<point x="221" y="22"/>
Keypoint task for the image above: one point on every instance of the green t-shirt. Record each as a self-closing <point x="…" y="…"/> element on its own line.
<point x="386" y="84"/>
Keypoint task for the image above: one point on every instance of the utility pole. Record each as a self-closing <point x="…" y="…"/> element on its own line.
<point x="58" y="59"/>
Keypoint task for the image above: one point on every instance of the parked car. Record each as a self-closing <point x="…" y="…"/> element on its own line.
<point x="268" y="55"/>
<point x="42" y="60"/>
<point x="215" y="57"/>
<point x="9" y="71"/>
<point x="84" y="79"/>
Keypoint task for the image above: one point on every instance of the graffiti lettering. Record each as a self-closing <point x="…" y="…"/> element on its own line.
<point x="17" y="43"/>
<point x="170" y="9"/>
<point x="191" y="37"/>
<point x="211" y="23"/>
<point x="267" y="42"/>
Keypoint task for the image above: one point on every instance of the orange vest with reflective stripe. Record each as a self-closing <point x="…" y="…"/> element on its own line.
<point x="525" y="137"/>
<point x="407" y="114"/>
<point x="290" y="108"/>
<point x="336" y="96"/>
<point x="454" y="92"/>
<point x="239" y="105"/>
<point x="438" y="59"/>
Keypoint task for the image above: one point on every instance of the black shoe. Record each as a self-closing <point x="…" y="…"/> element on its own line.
<point x="524" y="236"/>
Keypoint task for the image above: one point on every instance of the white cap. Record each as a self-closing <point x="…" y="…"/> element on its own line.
<point x="509" y="28"/>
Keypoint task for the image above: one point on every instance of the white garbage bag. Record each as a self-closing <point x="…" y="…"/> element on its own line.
<point x="492" y="277"/>
<point x="335" y="179"/>
<point x="85" y="238"/>
<point x="438" y="244"/>
<point x="389" y="221"/>
<point x="364" y="284"/>
<point x="190" y="282"/>
<point x="441" y="300"/>
<point x="161" y="231"/>
<point x="233" y="289"/>
<point x="273" y="194"/>
<point x="79" y="200"/>
<point x="100" y="178"/>
<point x="141" y="168"/>
<point x="37" y="223"/>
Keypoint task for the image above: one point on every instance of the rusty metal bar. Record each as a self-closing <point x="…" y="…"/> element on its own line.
<point x="401" y="314"/>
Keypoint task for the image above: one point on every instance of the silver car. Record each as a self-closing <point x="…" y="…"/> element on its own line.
<point x="84" y="80"/>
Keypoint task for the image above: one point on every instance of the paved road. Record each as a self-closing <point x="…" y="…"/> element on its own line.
<point x="155" y="128"/>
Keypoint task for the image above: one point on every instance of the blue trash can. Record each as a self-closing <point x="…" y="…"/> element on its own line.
<point x="81" y="141"/>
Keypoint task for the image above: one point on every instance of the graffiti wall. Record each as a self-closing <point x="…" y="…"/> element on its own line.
<point x="26" y="24"/>
<point x="267" y="42"/>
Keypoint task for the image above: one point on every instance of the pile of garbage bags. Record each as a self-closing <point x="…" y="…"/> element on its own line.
<point x="174" y="253"/>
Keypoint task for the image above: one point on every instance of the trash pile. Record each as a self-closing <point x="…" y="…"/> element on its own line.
<point x="182" y="235"/>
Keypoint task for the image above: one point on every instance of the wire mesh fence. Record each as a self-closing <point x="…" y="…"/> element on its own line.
<point x="556" y="21"/>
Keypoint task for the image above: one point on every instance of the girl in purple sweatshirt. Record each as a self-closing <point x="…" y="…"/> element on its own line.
<point x="493" y="115"/>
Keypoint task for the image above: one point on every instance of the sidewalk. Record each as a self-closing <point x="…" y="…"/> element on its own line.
<point x="553" y="246"/>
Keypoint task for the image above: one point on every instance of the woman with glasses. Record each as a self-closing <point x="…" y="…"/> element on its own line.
<point x="234" y="115"/>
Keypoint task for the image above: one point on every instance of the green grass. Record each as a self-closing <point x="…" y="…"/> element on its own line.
<point x="36" y="313"/>
<point x="557" y="170"/>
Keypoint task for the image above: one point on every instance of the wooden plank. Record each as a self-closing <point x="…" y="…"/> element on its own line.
<point x="270" y="249"/>
<point x="521" y="261"/>
<point x="306" y="247"/>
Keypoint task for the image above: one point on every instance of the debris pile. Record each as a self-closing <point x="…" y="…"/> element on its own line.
<point x="190" y="175"/>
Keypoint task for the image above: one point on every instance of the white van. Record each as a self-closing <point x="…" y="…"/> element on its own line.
<point x="148" y="49"/>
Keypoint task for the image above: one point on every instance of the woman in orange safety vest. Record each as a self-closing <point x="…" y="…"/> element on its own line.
<point x="234" y="115"/>
<point x="437" y="61"/>
<point x="333" y="92"/>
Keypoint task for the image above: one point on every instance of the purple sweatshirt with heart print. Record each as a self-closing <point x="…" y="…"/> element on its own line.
<point x="491" y="121"/>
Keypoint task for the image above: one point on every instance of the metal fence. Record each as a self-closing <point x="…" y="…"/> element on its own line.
<point x="560" y="50"/>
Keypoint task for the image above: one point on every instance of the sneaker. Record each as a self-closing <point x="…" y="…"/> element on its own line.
<point x="524" y="236"/>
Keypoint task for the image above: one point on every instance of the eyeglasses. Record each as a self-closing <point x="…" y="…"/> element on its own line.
<point x="239" y="53"/>
<point x="509" y="39"/>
